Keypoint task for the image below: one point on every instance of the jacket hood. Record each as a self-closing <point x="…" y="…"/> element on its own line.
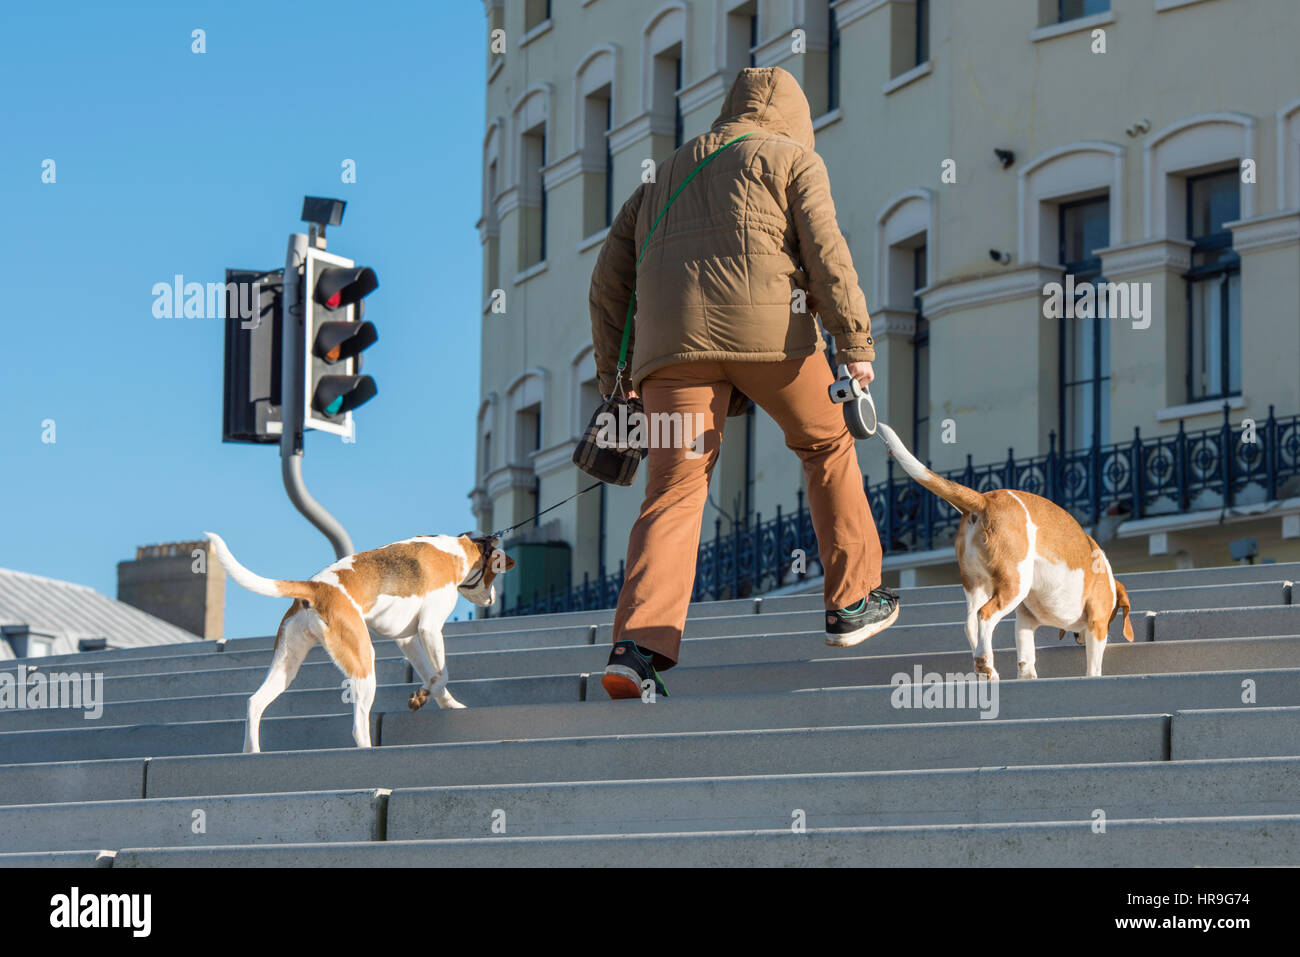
<point x="771" y="98"/>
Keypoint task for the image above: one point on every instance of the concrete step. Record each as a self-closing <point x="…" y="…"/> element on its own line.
<point x="1180" y="842"/>
<point x="254" y="653"/>
<point x="1221" y="622"/>
<point x="327" y="677"/>
<point x="194" y="737"/>
<point x="54" y="782"/>
<point x="765" y="646"/>
<point x="1217" y="733"/>
<point x="197" y="647"/>
<point x="287" y="818"/>
<point x="394" y="724"/>
<point x="1064" y="660"/>
<point x="837" y="707"/>
<point x="577" y="625"/>
<point x="1133" y="581"/>
<point x="692" y="754"/>
<point x="1235" y="788"/>
<point x="290" y="733"/>
<point x="1048" y="697"/>
<point x="95" y="858"/>
<point x="1172" y="578"/>
<point x="1227" y="788"/>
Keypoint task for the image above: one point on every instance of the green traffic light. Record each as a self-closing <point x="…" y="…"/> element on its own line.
<point x="333" y="407"/>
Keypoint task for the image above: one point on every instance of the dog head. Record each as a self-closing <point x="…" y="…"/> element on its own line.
<point x="487" y="561"/>
<point x="1122" y="605"/>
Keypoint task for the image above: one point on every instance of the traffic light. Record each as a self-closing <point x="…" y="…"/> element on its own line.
<point x="334" y="336"/>
<point x="251" y="410"/>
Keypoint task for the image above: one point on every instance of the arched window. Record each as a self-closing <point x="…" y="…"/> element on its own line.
<point x="904" y="265"/>
<point x="595" y="92"/>
<point x="663" y="53"/>
<point x="1194" y="187"/>
<point x="489" y="225"/>
<point x="1070" y="207"/>
<point x="532" y="127"/>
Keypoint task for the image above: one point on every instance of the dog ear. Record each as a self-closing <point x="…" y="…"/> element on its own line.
<point x="510" y="563"/>
<point x="1122" y="604"/>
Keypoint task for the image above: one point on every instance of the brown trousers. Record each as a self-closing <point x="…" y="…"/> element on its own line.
<point x="661" y="551"/>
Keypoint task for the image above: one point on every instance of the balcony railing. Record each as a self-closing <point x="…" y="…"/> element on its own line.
<point x="1213" y="468"/>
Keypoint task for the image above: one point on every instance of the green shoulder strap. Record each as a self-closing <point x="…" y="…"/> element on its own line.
<point x="631" y="303"/>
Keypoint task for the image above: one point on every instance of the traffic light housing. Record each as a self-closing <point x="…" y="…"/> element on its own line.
<point x="334" y="336"/>
<point x="251" y="406"/>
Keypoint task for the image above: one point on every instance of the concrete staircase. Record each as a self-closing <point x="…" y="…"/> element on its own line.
<point x="773" y="748"/>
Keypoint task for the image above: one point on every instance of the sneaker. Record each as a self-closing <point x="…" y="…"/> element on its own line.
<point x="627" y="672"/>
<point x="870" y="616"/>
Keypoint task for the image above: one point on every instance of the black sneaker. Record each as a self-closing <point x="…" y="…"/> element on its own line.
<point x="858" y="622"/>
<point x="628" y="671"/>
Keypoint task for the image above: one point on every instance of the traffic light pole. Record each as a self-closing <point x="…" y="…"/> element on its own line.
<point x="292" y="391"/>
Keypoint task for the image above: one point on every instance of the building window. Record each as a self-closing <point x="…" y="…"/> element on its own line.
<point x="598" y="187"/>
<point x="667" y="83"/>
<point x="536" y="12"/>
<point x="492" y="272"/>
<point x="528" y="439"/>
<point x="1213" y="287"/>
<point x="833" y="63"/>
<point x="609" y="163"/>
<point x="922" y="30"/>
<point x="1084" y="354"/>
<point x="541" y="253"/>
<point x="920" y="362"/>
<point x="532" y="233"/>
<point x="909" y="36"/>
<point x="741" y="36"/>
<point x="677" y="104"/>
<point x="485" y="463"/>
<point x="1073" y="9"/>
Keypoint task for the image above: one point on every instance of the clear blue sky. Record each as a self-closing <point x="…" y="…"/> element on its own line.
<point x="174" y="162"/>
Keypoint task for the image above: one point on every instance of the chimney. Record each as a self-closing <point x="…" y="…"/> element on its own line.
<point x="179" y="582"/>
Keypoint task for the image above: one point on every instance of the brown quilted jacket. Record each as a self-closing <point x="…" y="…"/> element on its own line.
<point x="719" y="278"/>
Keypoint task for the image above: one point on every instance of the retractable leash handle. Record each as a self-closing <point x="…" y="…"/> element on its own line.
<point x="859" y="408"/>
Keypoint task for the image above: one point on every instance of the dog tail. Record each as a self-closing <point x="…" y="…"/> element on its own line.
<point x="965" y="500"/>
<point x="271" y="587"/>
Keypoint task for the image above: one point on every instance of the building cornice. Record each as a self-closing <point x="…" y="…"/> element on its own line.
<point x="507" y="201"/>
<point x="640" y="128"/>
<point x="1010" y="284"/>
<point x="1146" y="255"/>
<point x="1267" y="231"/>
<point x="479" y="500"/>
<point x="893" y="324"/>
<point x="847" y="11"/>
<point x="507" y="478"/>
<point x="557" y="458"/>
<point x="570" y="167"/>
<point x="713" y="86"/>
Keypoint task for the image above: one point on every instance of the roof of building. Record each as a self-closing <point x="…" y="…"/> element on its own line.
<point x="71" y="612"/>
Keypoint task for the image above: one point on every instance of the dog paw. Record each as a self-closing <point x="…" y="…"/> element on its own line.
<point x="1024" y="672"/>
<point x="419" y="699"/>
<point x="450" y="702"/>
<point x="985" y="669"/>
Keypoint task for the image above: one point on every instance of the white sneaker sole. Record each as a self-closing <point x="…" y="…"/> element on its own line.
<point x="862" y="634"/>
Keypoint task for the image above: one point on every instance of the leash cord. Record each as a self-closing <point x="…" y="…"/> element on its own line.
<point x="505" y="531"/>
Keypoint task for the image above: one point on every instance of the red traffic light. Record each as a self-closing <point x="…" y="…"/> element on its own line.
<point x="342" y="286"/>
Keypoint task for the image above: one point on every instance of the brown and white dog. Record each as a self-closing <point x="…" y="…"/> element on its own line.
<point x="403" y="591"/>
<point x="1020" y="552"/>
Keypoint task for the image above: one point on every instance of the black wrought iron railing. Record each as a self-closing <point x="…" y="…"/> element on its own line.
<point x="1211" y="468"/>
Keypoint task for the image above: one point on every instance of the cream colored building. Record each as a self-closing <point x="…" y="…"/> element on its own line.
<point x="978" y="150"/>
